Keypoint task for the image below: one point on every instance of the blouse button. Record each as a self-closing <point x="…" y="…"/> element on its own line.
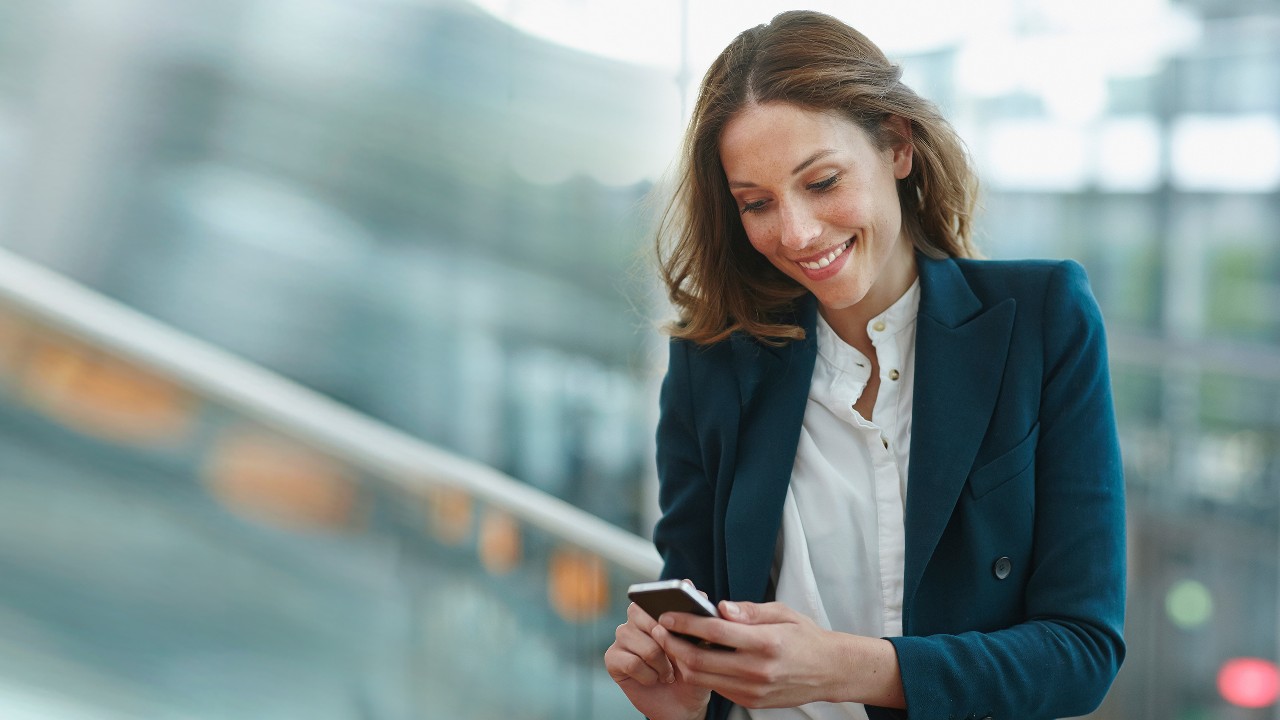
<point x="893" y="375"/>
<point x="879" y="326"/>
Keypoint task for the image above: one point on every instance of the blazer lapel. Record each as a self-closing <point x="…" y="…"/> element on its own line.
<point x="773" y="387"/>
<point x="961" y="350"/>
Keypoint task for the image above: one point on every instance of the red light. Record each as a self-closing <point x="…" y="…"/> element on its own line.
<point x="1249" y="682"/>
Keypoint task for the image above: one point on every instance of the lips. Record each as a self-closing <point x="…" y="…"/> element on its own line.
<point x="818" y="262"/>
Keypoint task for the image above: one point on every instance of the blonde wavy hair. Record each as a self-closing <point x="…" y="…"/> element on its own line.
<point x="717" y="281"/>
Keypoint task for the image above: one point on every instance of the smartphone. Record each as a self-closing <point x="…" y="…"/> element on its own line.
<point x="662" y="596"/>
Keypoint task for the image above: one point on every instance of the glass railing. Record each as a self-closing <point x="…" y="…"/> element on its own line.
<point x="183" y="535"/>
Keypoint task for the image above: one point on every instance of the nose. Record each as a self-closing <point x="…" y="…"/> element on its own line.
<point x="799" y="227"/>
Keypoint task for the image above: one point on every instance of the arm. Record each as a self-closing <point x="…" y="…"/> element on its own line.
<point x="635" y="661"/>
<point x="683" y="535"/>
<point x="1061" y="660"/>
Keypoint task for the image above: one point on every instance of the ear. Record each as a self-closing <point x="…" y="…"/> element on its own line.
<point x="903" y="147"/>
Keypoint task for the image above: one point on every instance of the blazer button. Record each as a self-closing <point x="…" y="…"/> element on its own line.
<point x="1002" y="568"/>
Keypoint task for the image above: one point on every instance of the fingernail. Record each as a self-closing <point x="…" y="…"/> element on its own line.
<point x="667" y="621"/>
<point x="671" y="679"/>
<point x="731" y="608"/>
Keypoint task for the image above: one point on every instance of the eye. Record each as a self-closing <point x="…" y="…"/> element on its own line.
<point x="823" y="185"/>
<point x="752" y="207"/>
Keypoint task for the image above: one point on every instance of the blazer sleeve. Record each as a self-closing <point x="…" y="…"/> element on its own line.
<point x="1061" y="658"/>
<point x="683" y="536"/>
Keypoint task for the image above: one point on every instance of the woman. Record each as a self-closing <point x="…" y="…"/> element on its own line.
<point x="893" y="467"/>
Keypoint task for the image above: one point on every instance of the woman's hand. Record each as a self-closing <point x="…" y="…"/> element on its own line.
<point x="783" y="659"/>
<point x="640" y="667"/>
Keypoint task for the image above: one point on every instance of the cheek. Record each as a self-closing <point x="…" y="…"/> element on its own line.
<point x="878" y="214"/>
<point x="760" y="234"/>
<point x="847" y="209"/>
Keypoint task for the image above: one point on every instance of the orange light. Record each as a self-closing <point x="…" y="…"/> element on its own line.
<point x="269" y="479"/>
<point x="578" y="586"/>
<point x="499" y="542"/>
<point x="451" y="514"/>
<point x="103" y="396"/>
<point x="1249" y="682"/>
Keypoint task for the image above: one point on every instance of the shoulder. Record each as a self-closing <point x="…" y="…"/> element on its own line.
<point x="1025" y="279"/>
<point x="695" y="355"/>
<point x="1052" y="298"/>
<point x="702" y="369"/>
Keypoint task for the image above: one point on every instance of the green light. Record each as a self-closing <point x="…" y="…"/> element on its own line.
<point x="1188" y="604"/>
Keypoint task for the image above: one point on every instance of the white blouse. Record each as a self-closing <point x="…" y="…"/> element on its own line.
<point x="841" y="550"/>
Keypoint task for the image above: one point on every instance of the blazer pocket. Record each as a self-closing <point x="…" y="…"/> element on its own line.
<point x="1005" y="467"/>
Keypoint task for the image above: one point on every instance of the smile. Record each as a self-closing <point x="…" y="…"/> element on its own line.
<point x="827" y="259"/>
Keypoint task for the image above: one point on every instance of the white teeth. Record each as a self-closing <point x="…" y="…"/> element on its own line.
<point x="826" y="259"/>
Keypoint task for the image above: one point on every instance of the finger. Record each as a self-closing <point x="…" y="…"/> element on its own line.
<point x="690" y="624"/>
<point x="682" y="652"/>
<point x="641" y="619"/>
<point x="642" y="644"/>
<point x="695" y="587"/>
<point x="710" y="668"/>
<point x="643" y="660"/>
<point x="757" y="638"/>
<point x="624" y="665"/>
<point x="675" y="648"/>
<point x="757" y="613"/>
<point x="713" y="630"/>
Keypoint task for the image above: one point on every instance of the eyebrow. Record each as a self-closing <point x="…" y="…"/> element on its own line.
<point x="733" y="184"/>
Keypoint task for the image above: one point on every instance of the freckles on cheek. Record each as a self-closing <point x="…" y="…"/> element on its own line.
<point x="759" y="241"/>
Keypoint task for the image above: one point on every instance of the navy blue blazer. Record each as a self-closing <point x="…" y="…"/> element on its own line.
<point x="1013" y="603"/>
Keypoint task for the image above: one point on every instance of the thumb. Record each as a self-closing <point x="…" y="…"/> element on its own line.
<point x="755" y="613"/>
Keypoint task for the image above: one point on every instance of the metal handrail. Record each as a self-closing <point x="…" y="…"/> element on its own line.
<point x="304" y="414"/>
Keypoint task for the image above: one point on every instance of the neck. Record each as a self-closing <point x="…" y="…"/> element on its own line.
<point x="850" y="323"/>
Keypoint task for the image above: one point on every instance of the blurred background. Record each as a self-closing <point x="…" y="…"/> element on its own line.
<point x="328" y="348"/>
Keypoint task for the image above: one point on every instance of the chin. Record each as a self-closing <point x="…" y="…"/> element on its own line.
<point x="839" y="298"/>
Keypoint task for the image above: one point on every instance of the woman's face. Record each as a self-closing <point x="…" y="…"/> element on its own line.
<point x="820" y="201"/>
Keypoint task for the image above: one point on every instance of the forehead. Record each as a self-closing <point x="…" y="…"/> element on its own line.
<point x="764" y="138"/>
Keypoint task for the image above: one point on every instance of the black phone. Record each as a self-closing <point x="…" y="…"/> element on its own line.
<point x="663" y="596"/>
